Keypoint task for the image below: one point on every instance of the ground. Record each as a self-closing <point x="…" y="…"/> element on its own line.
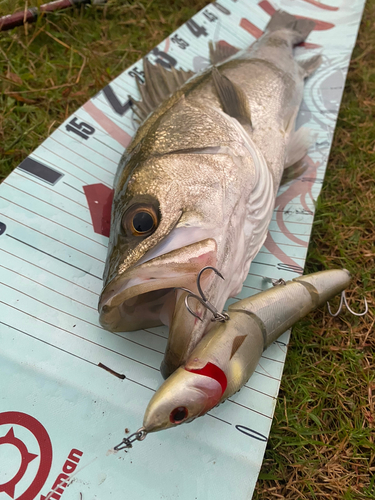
<point x="322" y="439"/>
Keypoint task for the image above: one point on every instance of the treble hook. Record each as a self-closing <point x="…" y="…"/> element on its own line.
<point x="343" y="300"/>
<point x="202" y="299"/>
<point x="127" y="442"/>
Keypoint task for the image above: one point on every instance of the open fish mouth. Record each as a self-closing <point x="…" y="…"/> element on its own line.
<point x="145" y="296"/>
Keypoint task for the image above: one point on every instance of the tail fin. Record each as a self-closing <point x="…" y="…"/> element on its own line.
<point x="282" y="20"/>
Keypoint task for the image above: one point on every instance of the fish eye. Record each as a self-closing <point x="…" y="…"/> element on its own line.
<point x="140" y="220"/>
<point x="178" y="415"/>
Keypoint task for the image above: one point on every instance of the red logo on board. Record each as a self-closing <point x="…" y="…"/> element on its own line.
<point x="11" y="437"/>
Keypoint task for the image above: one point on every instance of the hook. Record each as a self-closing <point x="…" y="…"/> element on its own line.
<point x="343" y="300"/>
<point x="202" y="299"/>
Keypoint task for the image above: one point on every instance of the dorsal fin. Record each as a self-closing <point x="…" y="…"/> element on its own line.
<point x="160" y="84"/>
<point x="232" y="98"/>
<point x="221" y="51"/>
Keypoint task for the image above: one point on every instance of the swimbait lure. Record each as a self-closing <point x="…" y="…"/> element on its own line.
<point x="226" y="357"/>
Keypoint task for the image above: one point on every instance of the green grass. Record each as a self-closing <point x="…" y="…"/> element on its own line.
<point x="322" y="439"/>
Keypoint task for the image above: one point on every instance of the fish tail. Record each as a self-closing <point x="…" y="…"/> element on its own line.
<point x="300" y="27"/>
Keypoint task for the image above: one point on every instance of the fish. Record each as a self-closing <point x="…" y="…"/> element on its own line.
<point x="197" y="185"/>
<point x="224" y="360"/>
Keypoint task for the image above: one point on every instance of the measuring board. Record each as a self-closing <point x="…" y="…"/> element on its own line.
<point x="61" y="413"/>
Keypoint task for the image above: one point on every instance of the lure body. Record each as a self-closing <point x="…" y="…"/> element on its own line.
<point x="226" y="357"/>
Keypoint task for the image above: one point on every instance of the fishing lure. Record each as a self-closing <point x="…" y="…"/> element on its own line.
<point x="226" y="357"/>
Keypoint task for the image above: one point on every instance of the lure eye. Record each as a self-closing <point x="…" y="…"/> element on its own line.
<point x="140" y="220"/>
<point x="178" y="415"/>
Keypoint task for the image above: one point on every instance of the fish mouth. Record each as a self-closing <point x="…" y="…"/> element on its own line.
<point x="145" y="296"/>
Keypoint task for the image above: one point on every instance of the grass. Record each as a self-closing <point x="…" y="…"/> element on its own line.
<point x="322" y="440"/>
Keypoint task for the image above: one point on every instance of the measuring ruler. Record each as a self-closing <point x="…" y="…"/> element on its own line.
<point x="68" y="387"/>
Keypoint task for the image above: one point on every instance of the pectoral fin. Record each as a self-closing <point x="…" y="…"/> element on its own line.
<point x="232" y="98"/>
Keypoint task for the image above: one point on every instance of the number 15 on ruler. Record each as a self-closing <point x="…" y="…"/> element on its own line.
<point x="82" y="129"/>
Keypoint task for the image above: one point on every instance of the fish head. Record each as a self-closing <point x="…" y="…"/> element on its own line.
<point x="184" y="396"/>
<point x="166" y="220"/>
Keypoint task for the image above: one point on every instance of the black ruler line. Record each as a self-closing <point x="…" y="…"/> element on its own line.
<point x="268" y="376"/>
<point x="76" y="189"/>
<point x="290" y="232"/>
<point x="48" y="343"/>
<point x="44" y="286"/>
<point x="260" y="392"/>
<point x="50" y="204"/>
<point x="263" y="263"/>
<point x="295" y="222"/>
<point x="79" y="318"/>
<point x="250" y="409"/>
<point x="53" y="256"/>
<point x="95" y="125"/>
<point x="74" y="165"/>
<point x="289" y="244"/>
<point x="50" y="188"/>
<point x="253" y="288"/>
<point x="257" y="275"/>
<point x="61" y="225"/>
<point x="295" y="203"/>
<point x="79" y="336"/>
<point x="138" y="383"/>
<point x="217" y="418"/>
<point x="81" y="156"/>
<point x="47" y="271"/>
<point x="281" y="252"/>
<point x="43" y="160"/>
<point x="271" y="359"/>
<point x="54" y="239"/>
<point x="157" y="334"/>
<point x="104" y="144"/>
<point x="87" y="146"/>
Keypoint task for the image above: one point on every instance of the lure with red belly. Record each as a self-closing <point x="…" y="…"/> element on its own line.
<point x="226" y="357"/>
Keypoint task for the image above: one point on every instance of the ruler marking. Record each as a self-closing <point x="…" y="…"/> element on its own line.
<point x="46" y="270"/>
<point x="44" y="286"/>
<point x="47" y="203"/>
<point x="79" y="318"/>
<point x="48" y="343"/>
<point x="79" y="336"/>
<point x="53" y="256"/>
<point x="75" y="166"/>
<point x="58" y="241"/>
<point x="48" y="188"/>
<point x="78" y="154"/>
<point x="250" y="409"/>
